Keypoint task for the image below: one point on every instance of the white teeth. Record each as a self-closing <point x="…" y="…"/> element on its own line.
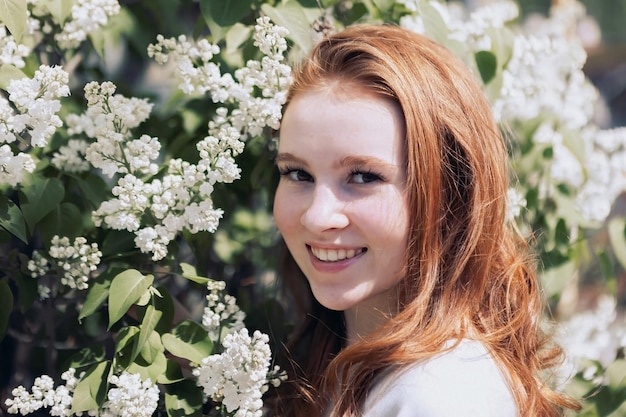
<point x="333" y="255"/>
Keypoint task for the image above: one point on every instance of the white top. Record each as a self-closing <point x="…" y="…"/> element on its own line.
<point x="463" y="382"/>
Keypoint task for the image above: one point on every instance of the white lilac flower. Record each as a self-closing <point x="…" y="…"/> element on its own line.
<point x="181" y="199"/>
<point x="222" y="312"/>
<point x="197" y="74"/>
<point x="8" y="133"/>
<point x="87" y="17"/>
<point x="155" y="240"/>
<point x="132" y="397"/>
<point x="544" y="76"/>
<point x="75" y="262"/>
<point x="11" y="52"/>
<point x="515" y="203"/>
<point x="605" y="163"/>
<point x="36" y="104"/>
<point x="473" y="30"/>
<point x="71" y="157"/>
<point x="202" y="216"/>
<point x="270" y="39"/>
<point x="38" y="265"/>
<point x="14" y="167"/>
<point x="44" y="395"/>
<point x="592" y="335"/>
<point x="566" y="167"/>
<point x="238" y="377"/>
<point x="43" y="291"/>
<point x="32" y="115"/>
<point x="109" y="119"/>
<point x="140" y="153"/>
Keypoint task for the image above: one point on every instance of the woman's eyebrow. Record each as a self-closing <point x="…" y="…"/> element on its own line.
<point x="353" y="160"/>
<point x="285" y="157"/>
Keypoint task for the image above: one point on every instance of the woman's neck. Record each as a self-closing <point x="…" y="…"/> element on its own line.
<point x="368" y="316"/>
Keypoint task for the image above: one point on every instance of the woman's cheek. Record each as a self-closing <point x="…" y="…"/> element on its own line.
<point x="283" y="211"/>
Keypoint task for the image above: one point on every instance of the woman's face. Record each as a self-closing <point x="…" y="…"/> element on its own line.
<point x="340" y="204"/>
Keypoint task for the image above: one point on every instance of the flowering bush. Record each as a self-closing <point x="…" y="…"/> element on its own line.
<point x="125" y="137"/>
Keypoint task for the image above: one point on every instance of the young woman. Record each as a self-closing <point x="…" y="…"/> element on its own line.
<point x="417" y="297"/>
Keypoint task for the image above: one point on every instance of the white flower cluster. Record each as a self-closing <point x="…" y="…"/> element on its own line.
<point x="238" y="377"/>
<point x="605" y="172"/>
<point x="544" y="76"/>
<point x="71" y="157"/>
<point x="29" y="113"/>
<point x="472" y="30"/>
<point x="515" y="203"/>
<point x="11" y="52"/>
<point x="44" y="395"/>
<point x="132" y="397"/>
<point x="221" y="312"/>
<point x="197" y="74"/>
<point x="181" y="200"/>
<point x="109" y="120"/>
<point x="87" y="17"/>
<point x="592" y="335"/>
<point x="73" y="262"/>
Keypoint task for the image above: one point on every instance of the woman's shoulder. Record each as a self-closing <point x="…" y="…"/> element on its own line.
<point x="464" y="381"/>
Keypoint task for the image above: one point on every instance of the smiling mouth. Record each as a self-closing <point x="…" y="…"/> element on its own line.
<point x="334" y="255"/>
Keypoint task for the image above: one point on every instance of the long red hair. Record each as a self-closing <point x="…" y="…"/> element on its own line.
<point x="468" y="273"/>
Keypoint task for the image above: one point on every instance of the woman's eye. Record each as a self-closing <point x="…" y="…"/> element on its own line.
<point x="365" y="177"/>
<point x="296" y="175"/>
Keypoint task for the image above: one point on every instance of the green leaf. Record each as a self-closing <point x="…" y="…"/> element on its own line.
<point x="190" y="273"/>
<point x="152" y="348"/>
<point x="145" y="298"/>
<point x="172" y="374"/>
<point x="14" y="15"/>
<point x="617" y="237"/>
<point x="434" y="24"/>
<point x="117" y="242"/>
<point x="487" y="64"/>
<point x="9" y="73"/>
<point x="152" y="369"/>
<point x="188" y="340"/>
<point x="384" y="5"/>
<point x="164" y="304"/>
<point x="502" y="41"/>
<point x="150" y="320"/>
<point x="27" y="285"/>
<point x="11" y="219"/>
<point x="6" y="306"/>
<point x="183" y="399"/>
<point x="64" y="220"/>
<point x="608" y="272"/>
<point x="556" y="278"/>
<point x="88" y="356"/>
<point x="91" y="389"/>
<point x="41" y="196"/>
<point x="126" y="288"/>
<point x="236" y="36"/>
<point x="292" y="16"/>
<point x="60" y="10"/>
<point x="225" y="13"/>
<point x="93" y="187"/>
<point x="125" y="337"/>
<point x="98" y="292"/>
<point x="616" y="373"/>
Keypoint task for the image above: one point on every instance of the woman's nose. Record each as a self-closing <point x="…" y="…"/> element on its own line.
<point x="324" y="211"/>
